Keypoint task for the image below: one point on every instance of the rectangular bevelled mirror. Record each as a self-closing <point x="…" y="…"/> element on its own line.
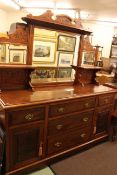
<point x="54" y="52"/>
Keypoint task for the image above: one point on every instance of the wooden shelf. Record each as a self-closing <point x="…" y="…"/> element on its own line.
<point x="86" y="67"/>
<point x="14" y="66"/>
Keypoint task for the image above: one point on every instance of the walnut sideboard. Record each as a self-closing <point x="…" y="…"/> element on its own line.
<point x="44" y="125"/>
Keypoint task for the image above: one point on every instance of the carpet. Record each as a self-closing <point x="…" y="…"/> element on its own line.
<point x="44" y="171"/>
<point x="99" y="160"/>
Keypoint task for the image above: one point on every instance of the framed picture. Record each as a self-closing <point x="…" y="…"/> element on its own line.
<point x="17" y="56"/>
<point x="64" y="73"/>
<point x="44" y="33"/>
<point x="114" y="52"/>
<point x="17" y="47"/>
<point x="45" y="73"/>
<point x="65" y="59"/>
<point x="114" y="41"/>
<point x="88" y="57"/>
<point x="44" y="51"/>
<point x="66" y="43"/>
<point x="2" y="53"/>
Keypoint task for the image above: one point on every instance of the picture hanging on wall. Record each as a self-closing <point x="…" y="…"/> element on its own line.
<point x="44" y="51"/>
<point x="88" y="57"/>
<point x="2" y="53"/>
<point x="45" y="73"/>
<point x="65" y="59"/>
<point x="64" y="73"/>
<point x="114" y="52"/>
<point x="66" y="43"/>
<point x="17" y="56"/>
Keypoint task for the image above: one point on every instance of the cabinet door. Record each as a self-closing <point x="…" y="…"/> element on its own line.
<point x="102" y="122"/>
<point x="26" y="144"/>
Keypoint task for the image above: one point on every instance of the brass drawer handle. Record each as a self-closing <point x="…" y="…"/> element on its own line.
<point x="57" y="144"/>
<point x="29" y="116"/>
<point x="82" y="135"/>
<point x="85" y="119"/>
<point x="61" y="109"/>
<point x="86" y="105"/>
<point x="58" y="127"/>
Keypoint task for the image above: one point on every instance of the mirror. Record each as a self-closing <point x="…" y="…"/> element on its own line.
<point x="54" y="52"/>
<point x="13" y="54"/>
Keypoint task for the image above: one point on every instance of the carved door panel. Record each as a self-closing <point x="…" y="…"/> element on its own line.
<point x="102" y="122"/>
<point x="26" y="144"/>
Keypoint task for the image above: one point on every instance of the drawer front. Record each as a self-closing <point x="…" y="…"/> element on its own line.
<point x="64" y="108"/>
<point x="26" y="115"/>
<point x="106" y="99"/>
<point x="66" y="141"/>
<point x="64" y="124"/>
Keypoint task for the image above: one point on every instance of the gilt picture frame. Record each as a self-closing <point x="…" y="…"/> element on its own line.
<point x="66" y="43"/>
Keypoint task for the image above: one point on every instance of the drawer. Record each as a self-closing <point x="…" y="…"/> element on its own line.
<point x="66" y="141"/>
<point x="105" y="99"/>
<point x="26" y="115"/>
<point x="72" y="106"/>
<point x="69" y="122"/>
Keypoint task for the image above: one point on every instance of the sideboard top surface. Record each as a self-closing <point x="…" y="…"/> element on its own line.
<point x="19" y="98"/>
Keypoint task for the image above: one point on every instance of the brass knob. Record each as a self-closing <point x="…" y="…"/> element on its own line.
<point x="58" y="144"/>
<point x="61" y="109"/>
<point x="59" y="127"/>
<point x="85" y="119"/>
<point x="29" y="116"/>
<point x="86" y="105"/>
<point x="83" y="135"/>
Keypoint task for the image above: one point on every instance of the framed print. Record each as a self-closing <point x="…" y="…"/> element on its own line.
<point x="17" y="47"/>
<point x="66" y="43"/>
<point x="43" y="75"/>
<point x="17" y="56"/>
<point x="64" y="73"/>
<point x="2" y="53"/>
<point x="65" y="59"/>
<point x="88" y="57"/>
<point x="114" y="52"/>
<point x="44" y="33"/>
<point x="44" y="51"/>
<point x="114" y="41"/>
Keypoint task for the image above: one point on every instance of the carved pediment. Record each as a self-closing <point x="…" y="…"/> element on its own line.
<point x="58" y="22"/>
<point x="58" y="19"/>
<point x="18" y="33"/>
<point x="87" y="45"/>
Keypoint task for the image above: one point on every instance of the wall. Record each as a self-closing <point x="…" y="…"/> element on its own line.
<point x="102" y="35"/>
<point x="3" y="19"/>
<point x="102" y="32"/>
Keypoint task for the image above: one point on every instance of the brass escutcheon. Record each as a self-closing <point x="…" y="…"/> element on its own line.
<point x="29" y="116"/>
